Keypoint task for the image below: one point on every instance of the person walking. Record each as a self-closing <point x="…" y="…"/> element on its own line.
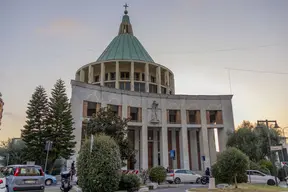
<point x="207" y="174"/>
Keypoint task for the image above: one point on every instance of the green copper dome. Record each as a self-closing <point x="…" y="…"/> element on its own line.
<point x="125" y="46"/>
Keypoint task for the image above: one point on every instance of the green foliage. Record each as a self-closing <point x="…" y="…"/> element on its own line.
<point x="231" y="166"/>
<point x="11" y="152"/>
<point x="60" y="124"/>
<point x="266" y="165"/>
<point x="253" y="141"/>
<point x="257" y="166"/>
<point x="105" y="121"/>
<point x="99" y="170"/>
<point x="129" y="182"/>
<point x="34" y="131"/>
<point x="157" y="174"/>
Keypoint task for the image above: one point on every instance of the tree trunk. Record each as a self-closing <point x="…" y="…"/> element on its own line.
<point x="235" y="181"/>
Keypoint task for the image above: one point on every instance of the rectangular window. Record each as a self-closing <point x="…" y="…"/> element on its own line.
<point x="214" y="117"/>
<point x="137" y="76"/>
<point x="96" y="78"/>
<point x="106" y="77"/>
<point x="112" y="76"/>
<point x="91" y="108"/>
<point x="152" y="88"/>
<point x="172" y="116"/>
<point x="110" y="84"/>
<point x="153" y="79"/>
<point x="114" y="109"/>
<point x="193" y="117"/>
<point x="163" y="90"/>
<point x="125" y="86"/>
<point x="125" y="75"/>
<point x="143" y="77"/>
<point x="139" y="87"/>
<point x="134" y="113"/>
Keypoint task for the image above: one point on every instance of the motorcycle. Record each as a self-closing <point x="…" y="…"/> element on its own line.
<point x="65" y="181"/>
<point x="204" y="180"/>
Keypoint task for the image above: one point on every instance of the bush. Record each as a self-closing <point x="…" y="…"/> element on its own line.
<point x="266" y="165"/>
<point x="231" y="166"/>
<point x="255" y="166"/>
<point x="129" y="182"/>
<point x="158" y="174"/>
<point x="99" y="170"/>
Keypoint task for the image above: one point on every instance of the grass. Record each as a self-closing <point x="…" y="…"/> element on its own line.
<point x="245" y="188"/>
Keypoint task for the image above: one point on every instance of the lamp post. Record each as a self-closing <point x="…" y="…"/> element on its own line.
<point x="269" y="142"/>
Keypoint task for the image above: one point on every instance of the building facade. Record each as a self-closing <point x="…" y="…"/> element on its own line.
<point x="126" y="78"/>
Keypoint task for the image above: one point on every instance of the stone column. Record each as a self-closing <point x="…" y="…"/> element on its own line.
<point x="204" y="138"/>
<point x="212" y="146"/>
<point x="164" y="136"/>
<point x="102" y="74"/>
<point x="117" y="75"/>
<point x="91" y="74"/>
<point x="155" y="148"/>
<point x="193" y="149"/>
<point x="184" y="139"/>
<point x="82" y="75"/>
<point x="144" y="139"/>
<point x="167" y="78"/>
<point x="137" y="143"/>
<point x="132" y="76"/>
<point x="173" y="135"/>
<point x="147" y="77"/>
<point x="77" y="114"/>
<point x="158" y="79"/>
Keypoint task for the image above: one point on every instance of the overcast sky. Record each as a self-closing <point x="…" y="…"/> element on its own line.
<point x="41" y="41"/>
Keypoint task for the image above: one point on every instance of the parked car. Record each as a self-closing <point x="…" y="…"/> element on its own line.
<point x="24" y="178"/>
<point x="2" y="183"/>
<point x="257" y="177"/>
<point x="49" y="179"/>
<point x="182" y="176"/>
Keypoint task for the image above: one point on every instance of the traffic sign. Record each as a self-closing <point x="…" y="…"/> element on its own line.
<point x="276" y="148"/>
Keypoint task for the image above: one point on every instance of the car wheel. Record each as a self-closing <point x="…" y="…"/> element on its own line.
<point x="271" y="182"/>
<point x="177" y="180"/>
<point x="48" y="182"/>
<point x="170" y="182"/>
<point x="198" y="180"/>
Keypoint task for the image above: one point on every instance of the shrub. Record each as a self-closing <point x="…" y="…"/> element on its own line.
<point x="129" y="182"/>
<point x="231" y="166"/>
<point x="266" y="165"/>
<point x="99" y="170"/>
<point x="157" y="174"/>
<point x="255" y="166"/>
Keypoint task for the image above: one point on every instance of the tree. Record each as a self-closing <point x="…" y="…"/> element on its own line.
<point x="231" y="166"/>
<point x="105" y="121"/>
<point x="34" y="131"/>
<point x="11" y="152"/>
<point x="99" y="169"/>
<point x="60" y="125"/>
<point x="253" y="141"/>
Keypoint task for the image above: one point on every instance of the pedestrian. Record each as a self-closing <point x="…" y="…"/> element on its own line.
<point x="207" y="174"/>
<point x="167" y="170"/>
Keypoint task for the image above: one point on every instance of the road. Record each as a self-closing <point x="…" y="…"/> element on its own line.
<point x="179" y="189"/>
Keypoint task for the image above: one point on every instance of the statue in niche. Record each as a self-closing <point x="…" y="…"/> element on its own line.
<point x="154" y="116"/>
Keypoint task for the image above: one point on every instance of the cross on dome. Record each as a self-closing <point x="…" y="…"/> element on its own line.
<point x="126" y="6"/>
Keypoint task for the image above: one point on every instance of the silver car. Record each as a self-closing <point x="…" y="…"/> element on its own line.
<point x="24" y="178"/>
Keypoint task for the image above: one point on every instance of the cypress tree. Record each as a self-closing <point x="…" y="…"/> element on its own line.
<point x="34" y="131"/>
<point x="60" y="129"/>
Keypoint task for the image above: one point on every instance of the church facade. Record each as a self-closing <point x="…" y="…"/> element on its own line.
<point x="176" y="131"/>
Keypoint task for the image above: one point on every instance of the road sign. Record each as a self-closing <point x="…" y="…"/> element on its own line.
<point x="30" y="163"/>
<point x="172" y="154"/>
<point x="203" y="158"/>
<point x="276" y="148"/>
<point x="48" y="145"/>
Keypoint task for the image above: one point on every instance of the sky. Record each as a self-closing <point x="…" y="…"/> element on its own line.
<point x="42" y="41"/>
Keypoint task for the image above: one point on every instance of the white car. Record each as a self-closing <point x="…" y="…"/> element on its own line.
<point x="2" y="183"/>
<point x="257" y="177"/>
<point x="182" y="176"/>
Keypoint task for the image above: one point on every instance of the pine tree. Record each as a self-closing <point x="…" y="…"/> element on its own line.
<point x="34" y="132"/>
<point x="60" y="120"/>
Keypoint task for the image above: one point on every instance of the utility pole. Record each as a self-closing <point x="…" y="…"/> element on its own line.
<point x="271" y="157"/>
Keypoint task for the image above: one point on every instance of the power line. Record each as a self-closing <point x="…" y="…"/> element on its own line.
<point x="256" y="71"/>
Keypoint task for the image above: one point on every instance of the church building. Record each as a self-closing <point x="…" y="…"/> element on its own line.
<point x="175" y="131"/>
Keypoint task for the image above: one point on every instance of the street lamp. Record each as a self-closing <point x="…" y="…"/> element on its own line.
<point x="269" y="142"/>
